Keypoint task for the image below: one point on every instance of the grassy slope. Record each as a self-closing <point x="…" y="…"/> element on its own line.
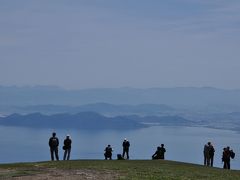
<point x="133" y="169"/>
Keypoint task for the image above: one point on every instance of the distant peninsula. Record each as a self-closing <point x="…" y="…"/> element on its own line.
<point x="89" y="121"/>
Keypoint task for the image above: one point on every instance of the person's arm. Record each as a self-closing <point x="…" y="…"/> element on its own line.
<point x="49" y="142"/>
<point x="57" y="142"/>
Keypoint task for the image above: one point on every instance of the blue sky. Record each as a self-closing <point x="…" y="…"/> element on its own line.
<point x="116" y="43"/>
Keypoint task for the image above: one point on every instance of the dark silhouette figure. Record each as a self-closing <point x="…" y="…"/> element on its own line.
<point x="226" y="157"/>
<point x="208" y="153"/>
<point x="53" y="144"/>
<point x="125" y="145"/>
<point x="211" y="154"/>
<point x="67" y="147"/>
<point x="159" y="154"/>
<point x="108" y="152"/>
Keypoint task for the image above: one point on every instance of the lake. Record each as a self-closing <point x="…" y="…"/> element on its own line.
<point x="182" y="143"/>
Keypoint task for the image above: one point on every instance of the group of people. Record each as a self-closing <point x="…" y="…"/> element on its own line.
<point x="54" y="143"/>
<point x="108" y="151"/>
<point x="208" y="153"/>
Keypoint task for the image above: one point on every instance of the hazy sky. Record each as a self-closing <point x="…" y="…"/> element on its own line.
<point x="117" y="43"/>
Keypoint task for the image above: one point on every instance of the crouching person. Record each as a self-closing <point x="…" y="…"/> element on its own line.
<point x="108" y="152"/>
<point x="159" y="154"/>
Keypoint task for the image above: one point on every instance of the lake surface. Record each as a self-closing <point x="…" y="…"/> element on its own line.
<point x="182" y="143"/>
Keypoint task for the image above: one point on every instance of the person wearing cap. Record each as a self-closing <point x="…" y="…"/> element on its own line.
<point x="67" y="147"/>
<point x="125" y="145"/>
<point x="53" y="144"/>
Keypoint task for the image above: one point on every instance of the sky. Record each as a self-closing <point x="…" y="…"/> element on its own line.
<point x="78" y="44"/>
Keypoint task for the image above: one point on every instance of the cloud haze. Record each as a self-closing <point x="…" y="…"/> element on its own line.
<point x="137" y="43"/>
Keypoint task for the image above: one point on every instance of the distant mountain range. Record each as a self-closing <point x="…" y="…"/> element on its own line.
<point x="174" y="97"/>
<point x="101" y="108"/>
<point x="204" y="106"/>
<point x="90" y="121"/>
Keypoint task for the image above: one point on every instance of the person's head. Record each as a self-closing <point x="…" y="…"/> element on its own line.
<point x="67" y="136"/>
<point x="162" y="145"/>
<point x="228" y="148"/>
<point x="209" y="143"/>
<point x="158" y="148"/>
<point x="53" y="134"/>
<point x="125" y="139"/>
<point x="109" y="145"/>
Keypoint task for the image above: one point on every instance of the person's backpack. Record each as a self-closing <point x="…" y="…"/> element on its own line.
<point x="232" y="154"/>
<point x="54" y="142"/>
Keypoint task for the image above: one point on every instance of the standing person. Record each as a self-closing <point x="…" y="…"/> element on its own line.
<point x="53" y="144"/>
<point x="211" y="153"/>
<point x="125" y="145"/>
<point x="159" y="154"/>
<point x="67" y="147"/>
<point x="108" y="152"/>
<point x="206" y="154"/>
<point x="226" y="157"/>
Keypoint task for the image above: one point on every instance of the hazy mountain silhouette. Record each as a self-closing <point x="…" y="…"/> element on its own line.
<point x="175" y="97"/>
<point x="89" y="120"/>
<point x="101" y="108"/>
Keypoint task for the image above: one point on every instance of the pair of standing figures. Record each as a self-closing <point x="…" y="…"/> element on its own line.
<point x="54" y="143"/>
<point x="108" y="150"/>
<point x="209" y="151"/>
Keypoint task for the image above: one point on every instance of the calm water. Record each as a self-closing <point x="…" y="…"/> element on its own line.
<point x="182" y="143"/>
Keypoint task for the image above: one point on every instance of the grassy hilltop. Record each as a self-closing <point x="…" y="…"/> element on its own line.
<point x="100" y="169"/>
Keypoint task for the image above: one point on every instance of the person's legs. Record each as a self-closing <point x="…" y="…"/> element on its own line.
<point x="68" y="154"/>
<point x="205" y="159"/>
<point x="123" y="153"/>
<point x="56" y="153"/>
<point x="208" y="160"/>
<point x="65" y="154"/>
<point x="211" y="160"/>
<point x="127" y="151"/>
<point x="228" y="164"/>
<point x="51" y="152"/>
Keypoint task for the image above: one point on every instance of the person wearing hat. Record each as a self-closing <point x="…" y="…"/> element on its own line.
<point x="53" y="144"/>
<point x="67" y="147"/>
<point x="125" y="145"/>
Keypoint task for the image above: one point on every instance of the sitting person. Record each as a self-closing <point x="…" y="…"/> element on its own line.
<point x="159" y="154"/>
<point x="108" y="152"/>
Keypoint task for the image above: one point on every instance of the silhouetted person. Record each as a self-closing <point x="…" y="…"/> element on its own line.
<point x="211" y="153"/>
<point x="206" y="155"/>
<point x="108" y="152"/>
<point x="67" y="147"/>
<point x="159" y="154"/>
<point x="226" y="157"/>
<point x="53" y="144"/>
<point x="125" y="145"/>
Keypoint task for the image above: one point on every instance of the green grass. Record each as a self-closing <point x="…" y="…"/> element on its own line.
<point x="132" y="169"/>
